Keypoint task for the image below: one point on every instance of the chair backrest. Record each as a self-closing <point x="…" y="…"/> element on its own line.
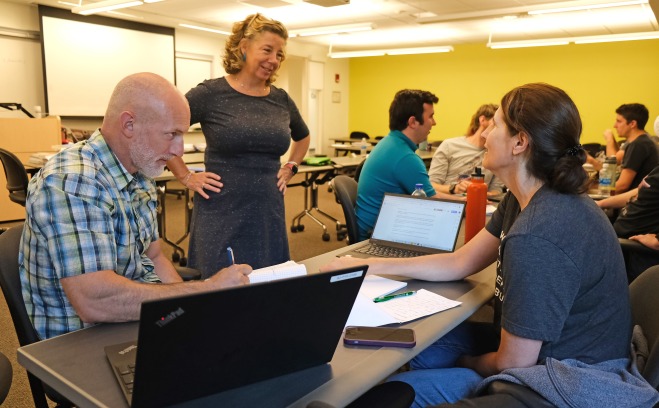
<point x="645" y="313"/>
<point x="358" y="170"/>
<point x="359" y="135"/>
<point x="16" y="176"/>
<point x="345" y="189"/>
<point x="6" y="374"/>
<point x="10" y="283"/>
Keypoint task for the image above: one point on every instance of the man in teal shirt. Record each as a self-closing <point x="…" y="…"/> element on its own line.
<point x="393" y="166"/>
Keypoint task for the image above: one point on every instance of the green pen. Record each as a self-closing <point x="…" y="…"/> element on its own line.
<point x="389" y="297"/>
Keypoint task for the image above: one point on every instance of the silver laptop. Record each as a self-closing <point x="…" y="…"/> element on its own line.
<point x="412" y="226"/>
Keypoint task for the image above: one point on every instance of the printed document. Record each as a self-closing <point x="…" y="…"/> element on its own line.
<point x="365" y="312"/>
<point x="288" y="269"/>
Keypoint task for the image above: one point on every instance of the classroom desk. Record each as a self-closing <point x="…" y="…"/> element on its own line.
<point x="349" y="140"/>
<point x="75" y="365"/>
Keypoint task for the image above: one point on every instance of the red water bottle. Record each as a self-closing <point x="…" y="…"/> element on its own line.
<point x="476" y="202"/>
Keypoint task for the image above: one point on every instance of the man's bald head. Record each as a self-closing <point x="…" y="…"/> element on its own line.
<point x="146" y="118"/>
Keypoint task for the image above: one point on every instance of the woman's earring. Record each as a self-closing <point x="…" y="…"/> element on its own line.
<point x="244" y="57"/>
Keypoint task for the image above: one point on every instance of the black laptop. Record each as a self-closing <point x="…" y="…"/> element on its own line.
<point x="193" y="346"/>
<point x="412" y="226"/>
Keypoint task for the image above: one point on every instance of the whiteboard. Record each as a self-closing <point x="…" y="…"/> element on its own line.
<point x="84" y="60"/>
<point x="191" y="72"/>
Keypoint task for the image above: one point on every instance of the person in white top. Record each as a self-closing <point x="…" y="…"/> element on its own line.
<point x="456" y="158"/>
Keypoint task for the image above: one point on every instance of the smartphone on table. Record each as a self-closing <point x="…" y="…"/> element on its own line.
<point x="379" y="336"/>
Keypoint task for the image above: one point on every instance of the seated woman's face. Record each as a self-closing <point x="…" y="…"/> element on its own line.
<point x="499" y="144"/>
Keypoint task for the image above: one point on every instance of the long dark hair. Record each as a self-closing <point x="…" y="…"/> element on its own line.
<point x="551" y="120"/>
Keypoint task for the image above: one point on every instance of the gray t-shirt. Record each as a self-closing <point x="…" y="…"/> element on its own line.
<point x="457" y="156"/>
<point x="561" y="277"/>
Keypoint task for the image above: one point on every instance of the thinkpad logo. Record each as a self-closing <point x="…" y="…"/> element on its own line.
<point x="165" y="320"/>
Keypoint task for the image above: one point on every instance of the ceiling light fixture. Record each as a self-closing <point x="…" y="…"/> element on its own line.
<point x="591" y="7"/>
<point x="210" y="30"/>
<point x="394" y="51"/>
<point x="528" y="43"/>
<point x="106" y="5"/>
<point x="326" y="30"/>
<point x="652" y="35"/>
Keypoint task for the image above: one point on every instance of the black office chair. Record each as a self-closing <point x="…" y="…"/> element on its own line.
<point x="345" y="190"/>
<point x="6" y="374"/>
<point x="11" y="289"/>
<point x="645" y="313"/>
<point x="16" y="176"/>
<point x="593" y="149"/>
<point x="359" y="135"/>
<point x="638" y="257"/>
<point x="358" y="170"/>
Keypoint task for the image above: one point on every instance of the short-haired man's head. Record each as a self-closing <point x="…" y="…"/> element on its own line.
<point x="486" y="110"/>
<point x="408" y="103"/>
<point x="634" y="111"/>
<point x="250" y="27"/>
<point x="551" y="121"/>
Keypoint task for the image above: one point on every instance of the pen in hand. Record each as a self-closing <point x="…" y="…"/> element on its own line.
<point x="389" y="297"/>
<point x="230" y="253"/>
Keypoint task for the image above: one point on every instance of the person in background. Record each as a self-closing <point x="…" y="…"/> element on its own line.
<point x="455" y="159"/>
<point x="640" y="154"/>
<point x="561" y="298"/>
<point x="90" y="250"/>
<point x="248" y="124"/>
<point x="393" y="166"/>
<point x="638" y="220"/>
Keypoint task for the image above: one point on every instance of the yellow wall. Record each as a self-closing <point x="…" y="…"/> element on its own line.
<point x="599" y="77"/>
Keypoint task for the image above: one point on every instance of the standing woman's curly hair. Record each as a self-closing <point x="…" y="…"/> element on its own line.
<point x="551" y="120"/>
<point x="247" y="29"/>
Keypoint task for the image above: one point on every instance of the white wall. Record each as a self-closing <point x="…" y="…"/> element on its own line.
<point x="26" y="87"/>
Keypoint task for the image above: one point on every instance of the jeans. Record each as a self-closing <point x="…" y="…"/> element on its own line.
<point x="435" y="378"/>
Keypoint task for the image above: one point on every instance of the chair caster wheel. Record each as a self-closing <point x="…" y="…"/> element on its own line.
<point x="176" y="257"/>
<point x="183" y="261"/>
<point x="326" y="237"/>
<point x="340" y="237"/>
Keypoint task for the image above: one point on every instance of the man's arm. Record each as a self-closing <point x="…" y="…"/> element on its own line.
<point x="104" y="296"/>
<point x="618" y="200"/>
<point x="612" y="147"/>
<point x="163" y="267"/>
<point x="513" y="352"/>
<point x="472" y="257"/>
<point x="625" y="180"/>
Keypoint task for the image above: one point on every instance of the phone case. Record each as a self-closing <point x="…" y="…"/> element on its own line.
<point x="355" y="340"/>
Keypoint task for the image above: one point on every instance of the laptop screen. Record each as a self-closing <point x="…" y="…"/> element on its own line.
<point x="425" y="222"/>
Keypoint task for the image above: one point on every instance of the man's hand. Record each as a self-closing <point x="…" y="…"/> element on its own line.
<point x="234" y="275"/>
<point x="649" y="240"/>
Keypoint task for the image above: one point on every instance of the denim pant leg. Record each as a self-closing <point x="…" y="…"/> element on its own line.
<point x="471" y="338"/>
<point x="435" y="378"/>
<point x="437" y="386"/>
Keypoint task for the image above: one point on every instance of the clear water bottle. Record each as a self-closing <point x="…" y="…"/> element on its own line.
<point x="607" y="176"/>
<point x="418" y="191"/>
<point x="363" y="148"/>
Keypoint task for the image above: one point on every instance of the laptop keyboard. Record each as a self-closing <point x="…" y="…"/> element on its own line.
<point x="127" y="374"/>
<point x="387" y="251"/>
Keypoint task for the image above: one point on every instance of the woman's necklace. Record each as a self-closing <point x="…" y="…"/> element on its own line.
<point x="257" y="91"/>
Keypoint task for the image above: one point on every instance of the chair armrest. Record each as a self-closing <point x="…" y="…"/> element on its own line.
<point x="628" y="246"/>
<point x="188" y="274"/>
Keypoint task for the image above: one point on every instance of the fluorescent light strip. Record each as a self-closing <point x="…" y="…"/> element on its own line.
<point x="338" y="29"/>
<point x="591" y="7"/>
<point x="105" y="5"/>
<point x="529" y="43"/>
<point x="210" y="30"/>
<point x="394" y="51"/>
<point x="617" y="37"/>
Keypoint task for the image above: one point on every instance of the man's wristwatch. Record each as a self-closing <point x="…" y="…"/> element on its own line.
<point x="291" y="165"/>
<point x="451" y="188"/>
